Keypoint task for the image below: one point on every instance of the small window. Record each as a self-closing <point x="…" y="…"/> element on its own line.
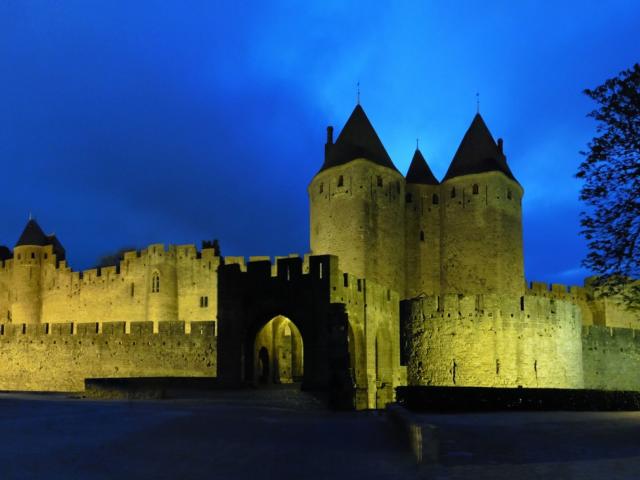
<point x="379" y="181"/>
<point x="408" y="198"/>
<point x="345" y="279"/>
<point x="204" y="302"/>
<point x="435" y="200"/>
<point x="509" y="194"/>
<point x="359" y="285"/>
<point x="422" y="235"/>
<point x="321" y="187"/>
<point x="476" y="190"/>
<point x="340" y="180"/>
<point x="46" y="255"/>
<point x="453" y="192"/>
<point x="155" y="283"/>
<point x="133" y="289"/>
<point x="320" y="270"/>
<point x="19" y="256"/>
<point x="33" y="255"/>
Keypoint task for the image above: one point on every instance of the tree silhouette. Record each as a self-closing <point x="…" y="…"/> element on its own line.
<point x="611" y="190"/>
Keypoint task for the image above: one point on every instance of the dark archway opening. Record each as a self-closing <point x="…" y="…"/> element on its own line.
<point x="279" y="353"/>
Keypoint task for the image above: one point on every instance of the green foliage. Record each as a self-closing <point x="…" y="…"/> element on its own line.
<point x="611" y="190"/>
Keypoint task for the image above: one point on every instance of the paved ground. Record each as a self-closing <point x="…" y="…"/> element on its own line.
<point x="284" y="434"/>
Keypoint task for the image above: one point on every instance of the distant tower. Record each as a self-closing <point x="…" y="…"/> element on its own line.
<point x="357" y="205"/>
<point x="422" y="217"/>
<point x="26" y="301"/>
<point x="481" y="219"/>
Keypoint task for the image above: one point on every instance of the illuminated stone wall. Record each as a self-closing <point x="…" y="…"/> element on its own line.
<point x="59" y="356"/>
<point x="595" y="309"/>
<point x="349" y="326"/>
<point x="481" y="242"/>
<point x="357" y="214"/>
<point x="35" y="289"/>
<point x="611" y="358"/>
<point x="422" y="243"/>
<point x="374" y="338"/>
<point x="493" y="341"/>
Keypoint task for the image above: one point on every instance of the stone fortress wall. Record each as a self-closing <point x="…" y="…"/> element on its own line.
<point x="409" y="280"/>
<point x="59" y="356"/>
<point x="494" y="341"/>
<point x="308" y="292"/>
<point x="151" y="315"/>
<point x="552" y="337"/>
<point x="36" y="288"/>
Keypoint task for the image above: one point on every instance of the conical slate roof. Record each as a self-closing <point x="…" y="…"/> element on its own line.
<point x="478" y="153"/>
<point x="357" y="139"/>
<point x="419" y="171"/>
<point x="32" y="235"/>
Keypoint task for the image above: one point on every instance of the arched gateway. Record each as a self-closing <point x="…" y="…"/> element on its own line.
<point x="305" y="321"/>
<point x="279" y="353"/>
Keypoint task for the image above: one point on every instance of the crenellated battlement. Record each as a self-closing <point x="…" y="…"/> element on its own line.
<point x="97" y="329"/>
<point x="559" y="291"/>
<point x="526" y="308"/>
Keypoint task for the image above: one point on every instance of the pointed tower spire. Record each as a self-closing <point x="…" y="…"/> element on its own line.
<point x="419" y="171"/>
<point x="357" y="139"/>
<point x="478" y="153"/>
<point x="32" y="235"/>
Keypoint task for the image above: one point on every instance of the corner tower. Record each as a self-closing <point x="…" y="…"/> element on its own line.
<point x="481" y="219"/>
<point x="357" y="205"/>
<point x="422" y="217"/>
<point x="26" y="301"/>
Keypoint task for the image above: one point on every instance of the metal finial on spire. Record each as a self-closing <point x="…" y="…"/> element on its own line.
<point x="477" y="102"/>
<point x="358" y="92"/>
<point x="30" y="216"/>
<point x="417" y="144"/>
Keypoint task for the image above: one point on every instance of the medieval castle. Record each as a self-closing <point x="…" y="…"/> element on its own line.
<point x="410" y="280"/>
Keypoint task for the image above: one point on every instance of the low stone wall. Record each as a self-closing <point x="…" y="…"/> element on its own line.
<point x="59" y="356"/>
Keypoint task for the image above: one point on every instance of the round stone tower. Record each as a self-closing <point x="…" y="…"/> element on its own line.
<point x="357" y="205"/>
<point x="481" y="219"/>
<point x="422" y="217"/>
<point x="26" y="301"/>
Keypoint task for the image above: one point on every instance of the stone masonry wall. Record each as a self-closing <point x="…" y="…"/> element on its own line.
<point x="611" y="358"/>
<point x="357" y="213"/>
<point x="58" y="357"/>
<point x="186" y="277"/>
<point x="493" y="341"/>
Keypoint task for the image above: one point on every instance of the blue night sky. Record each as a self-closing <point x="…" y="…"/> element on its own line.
<point x="127" y="123"/>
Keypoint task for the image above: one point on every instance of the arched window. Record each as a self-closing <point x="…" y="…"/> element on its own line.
<point x="422" y="235"/>
<point x="453" y="192"/>
<point x="435" y="200"/>
<point x="509" y="194"/>
<point x="340" y="181"/>
<point x="379" y="181"/>
<point x="155" y="283"/>
<point x="476" y="190"/>
<point x="321" y="187"/>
